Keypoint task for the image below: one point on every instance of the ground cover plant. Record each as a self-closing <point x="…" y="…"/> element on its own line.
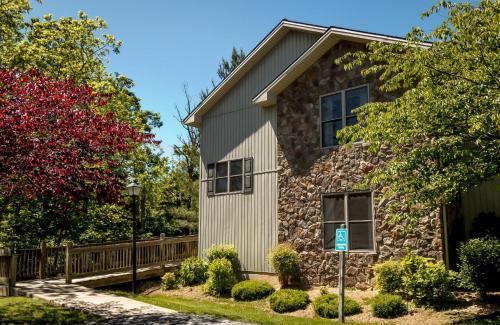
<point x="327" y="306"/>
<point x="286" y="300"/>
<point x="251" y="290"/>
<point x="386" y="305"/>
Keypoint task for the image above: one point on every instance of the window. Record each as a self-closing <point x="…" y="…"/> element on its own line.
<point x="231" y="176"/>
<point x="336" y="112"/>
<point x="355" y="211"/>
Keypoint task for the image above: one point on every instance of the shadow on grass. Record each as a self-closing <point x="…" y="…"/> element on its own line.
<point x="483" y="320"/>
<point x="19" y="310"/>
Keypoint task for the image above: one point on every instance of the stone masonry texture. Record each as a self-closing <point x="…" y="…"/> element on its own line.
<point x="306" y="171"/>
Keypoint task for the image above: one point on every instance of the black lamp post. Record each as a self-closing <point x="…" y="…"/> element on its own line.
<point x="134" y="189"/>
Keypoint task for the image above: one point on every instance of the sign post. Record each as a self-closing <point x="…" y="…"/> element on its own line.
<point x="341" y="247"/>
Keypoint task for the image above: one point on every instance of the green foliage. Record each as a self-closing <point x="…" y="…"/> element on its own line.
<point x="169" y="281"/>
<point x="226" y="67"/>
<point x="417" y="278"/>
<point x="251" y="290"/>
<point x="327" y="306"/>
<point x="221" y="277"/>
<point x="444" y="131"/>
<point x="426" y="282"/>
<point x="20" y="310"/>
<point x="388" y="306"/>
<point x="286" y="300"/>
<point x="286" y="262"/>
<point x="479" y="267"/>
<point x="193" y="271"/>
<point x="224" y="251"/>
<point x="106" y="222"/>
<point x="388" y="276"/>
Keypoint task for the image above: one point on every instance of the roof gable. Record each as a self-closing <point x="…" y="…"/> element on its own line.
<point x="266" y="45"/>
<point x="267" y="96"/>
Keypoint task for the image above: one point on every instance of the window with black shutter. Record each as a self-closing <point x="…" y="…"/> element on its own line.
<point x="356" y="212"/>
<point x="233" y="176"/>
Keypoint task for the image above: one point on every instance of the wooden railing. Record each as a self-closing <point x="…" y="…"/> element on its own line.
<point x="7" y="272"/>
<point x="97" y="259"/>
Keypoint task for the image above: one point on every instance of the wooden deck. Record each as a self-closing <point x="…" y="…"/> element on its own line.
<point x="98" y="265"/>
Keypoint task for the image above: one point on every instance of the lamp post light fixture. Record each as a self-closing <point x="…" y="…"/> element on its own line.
<point x="134" y="190"/>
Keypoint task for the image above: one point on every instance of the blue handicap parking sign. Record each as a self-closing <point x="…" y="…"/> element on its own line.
<point x="341" y="239"/>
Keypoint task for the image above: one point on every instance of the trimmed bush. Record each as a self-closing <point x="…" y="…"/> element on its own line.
<point x="388" y="276"/>
<point x="286" y="262"/>
<point x="224" y="251"/>
<point x="425" y="282"/>
<point x="251" y="290"/>
<point x="286" y="300"/>
<point x="479" y="268"/>
<point x="327" y="306"/>
<point x="385" y="305"/>
<point x="169" y="281"/>
<point x="221" y="277"/>
<point x="193" y="271"/>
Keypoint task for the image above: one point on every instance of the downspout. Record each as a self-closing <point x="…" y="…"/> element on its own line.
<point x="445" y="237"/>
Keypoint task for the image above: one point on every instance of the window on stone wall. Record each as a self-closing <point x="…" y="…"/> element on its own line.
<point x="231" y="176"/>
<point x="355" y="211"/>
<point x="336" y="112"/>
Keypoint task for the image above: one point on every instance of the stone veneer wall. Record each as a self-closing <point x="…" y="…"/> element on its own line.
<point x="305" y="171"/>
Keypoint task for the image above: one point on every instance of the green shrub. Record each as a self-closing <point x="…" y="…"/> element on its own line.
<point x="169" y="281"/>
<point x="251" y="290"/>
<point x="286" y="262"/>
<point x="193" y="271"/>
<point x="385" y="305"/>
<point x="286" y="300"/>
<point x="327" y="306"/>
<point x="479" y="267"/>
<point x="224" y="251"/>
<point x="221" y="277"/>
<point x="425" y="282"/>
<point x="388" y="276"/>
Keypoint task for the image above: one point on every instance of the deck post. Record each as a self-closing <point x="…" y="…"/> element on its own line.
<point x="12" y="273"/>
<point x="68" y="261"/>
<point x="162" y="250"/>
<point x="43" y="260"/>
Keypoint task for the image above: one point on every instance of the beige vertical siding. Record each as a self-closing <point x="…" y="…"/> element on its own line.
<point x="236" y="128"/>
<point x="483" y="198"/>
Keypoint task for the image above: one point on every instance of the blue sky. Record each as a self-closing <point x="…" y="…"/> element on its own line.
<point x="167" y="43"/>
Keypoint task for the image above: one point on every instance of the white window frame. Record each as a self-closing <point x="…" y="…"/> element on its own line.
<point x="346" y="221"/>
<point x="342" y="92"/>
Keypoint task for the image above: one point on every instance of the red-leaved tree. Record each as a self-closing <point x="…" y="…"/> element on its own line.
<point x="54" y="144"/>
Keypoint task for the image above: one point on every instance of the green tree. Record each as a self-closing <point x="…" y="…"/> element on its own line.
<point x="226" y="67"/>
<point x="444" y="131"/>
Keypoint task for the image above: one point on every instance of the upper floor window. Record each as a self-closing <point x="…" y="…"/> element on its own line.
<point x="230" y="176"/>
<point x="336" y="112"/>
<point x="355" y="211"/>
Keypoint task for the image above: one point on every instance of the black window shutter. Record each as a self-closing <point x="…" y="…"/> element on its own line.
<point x="210" y="179"/>
<point x="248" y="175"/>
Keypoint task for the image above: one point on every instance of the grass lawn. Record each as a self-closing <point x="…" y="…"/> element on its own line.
<point x="226" y="308"/>
<point x="20" y="310"/>
<point x="482" y="320"/>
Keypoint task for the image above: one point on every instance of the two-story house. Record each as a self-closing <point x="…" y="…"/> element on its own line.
<point x="272" y="170"/>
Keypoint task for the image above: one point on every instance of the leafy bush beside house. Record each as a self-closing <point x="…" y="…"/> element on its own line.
<point x="388" y="276"/>
<point x="416" y="278"/>
<point x="286" y="262"/>
<point x="479" y="267"/>
<point x="224" y="251"/>
<point x="286" y="300"/>
<point x="221" y="277"/>
<point x="251" y="290"/>
<point x="327" y="306"/>
<point x="193" y="271"/>
<point x="169" y="281"/>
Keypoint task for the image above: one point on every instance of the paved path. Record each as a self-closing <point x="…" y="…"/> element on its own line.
<point x="116" y="309"/>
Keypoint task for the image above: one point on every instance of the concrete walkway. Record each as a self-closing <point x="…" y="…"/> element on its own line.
<point x="115" y="309"/>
